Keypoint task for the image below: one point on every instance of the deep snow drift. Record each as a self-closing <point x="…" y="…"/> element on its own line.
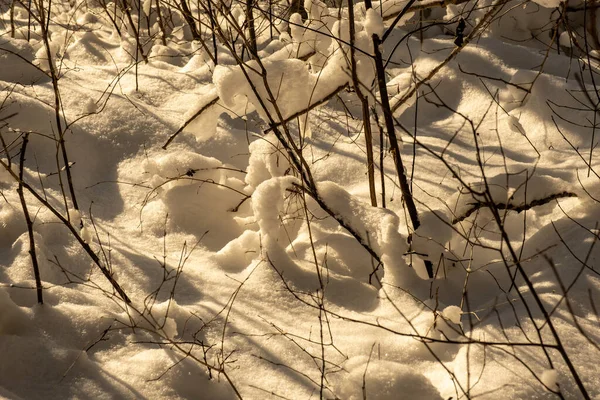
<point x="241" y="283"/>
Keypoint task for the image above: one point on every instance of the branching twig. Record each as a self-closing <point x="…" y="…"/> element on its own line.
<point x="512" y="207"/>
<point x="32" y="252"/>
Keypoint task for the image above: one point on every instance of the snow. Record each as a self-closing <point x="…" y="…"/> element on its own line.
<point x="550" y="379"/>
<point x="291" y="76"/>
<point x="565" y="39"/>
<point x="266" y="161"/>
<point x="548" y="3"/>
<point x="239" y="253"/>
<point x="14" y="318"/>
<point x="267" y="203"/>
<point x="373" y="23"/>
<point x="452" y="313"/>
<point x="16" y="56"/>
<point x="247" y="280"/>
<point x="385" y="380"/>
<point x="86" y="234"/>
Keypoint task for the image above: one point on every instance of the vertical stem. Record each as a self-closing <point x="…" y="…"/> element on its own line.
<point x="29" y="22"/>
<point x="365" y="108"/>
<point x="271" y="19"/>
<point x="251" y="31"/>
<point x="212" y="28"/>
<point x="414" y="146"/>
<point x="57" y="101"/>
<point x="161" y="24"/>
<point x="389" y="125"/>
<point x="395" y="149"/>
<point x="421" y="27"/>
<point x="369" y="146"/>
<point x="137" y="38"/>
<point x="135" y="32"/>
<point x="12" y="19"/>
<point x="593" y="27"/>
<point x="32" y="253"/>
<point x="381" y="167"/>
<point x="110" y="17"/>
<point x="117" y="17"/>
<point x="187" y="14"/>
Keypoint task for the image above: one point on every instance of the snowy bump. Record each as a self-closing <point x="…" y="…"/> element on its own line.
<point x="373" y="23"/>
<point x="550" y="379"/>
<point x="239" y="253"/>
<point x="453" y="314"/>
<point x="384" y="380"/>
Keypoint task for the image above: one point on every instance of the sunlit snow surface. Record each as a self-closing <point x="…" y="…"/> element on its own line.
<point x="209" y="237"/>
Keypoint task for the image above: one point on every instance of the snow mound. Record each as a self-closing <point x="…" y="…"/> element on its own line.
<point x="186" y="183"/>
<point x="13" y="319"/>
<point x="88" y="48"/>
<point x="239" y="253"/>
<point x="514" y="190"/>
<point x="429" y="240"/>
<point x="452" y="313"/>
<point x="288" y="82"/>
<point x="267" y="160"/>
<point x="373" y="23"/>
<point x="16" y="58"/>
<point x="12" y="225"/>
<point x="384" y="380"/>
<point x="550" y="379"/>
<point x="379" y="228"/>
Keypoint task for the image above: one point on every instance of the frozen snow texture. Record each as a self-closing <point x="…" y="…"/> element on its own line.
<point x="267" y="160"/>
<point x="89" y="107"/>
<point x="5" y="176"/>
<point x="56" y="47"/>
<point x="87" y="234"/>
<point x="87" y="18"/>
<point x="267" y="203"/>
<point x="453" y="314"/>
<point x="12" y="318"/>
<point x="316" y="9"/>
<point x="197" y="195"/>
<point x="296" y="27"/>
<point x="11" y="225"/>
<point x="239" y="253"/>
<point x="181" y="163"/>
<point x="445" y="328"/>
<point x="384" y="380"/>
<point x="75" y="217"/>
<point x="514" y="124"/>
<point x="565" y="39"/>
<point x="204" y="125"/>
<point x="162" y="53"/>
<point x="550" y="379"/>
<point x="75" y="315"/>
<point x="376" y="227"/>
<point x="548" y="3"/>
<point x="288" y="82"/>
<point x="373" y="23"/>
<point x="290" y="88"/>
<point x="430" y="238"/>
<point x="15" y="58"/>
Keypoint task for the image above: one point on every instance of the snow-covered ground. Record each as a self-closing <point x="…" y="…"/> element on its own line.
<point x="245" y="282"/>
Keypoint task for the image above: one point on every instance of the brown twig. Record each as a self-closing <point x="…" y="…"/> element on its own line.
<point x="512" y="207"/>
<point x="32" y="252"/>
